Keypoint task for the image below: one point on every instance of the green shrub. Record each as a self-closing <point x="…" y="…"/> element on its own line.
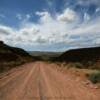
<point x="78" y="65"/>
<point x="94" y="77"/>
<point x="75" y="65"/>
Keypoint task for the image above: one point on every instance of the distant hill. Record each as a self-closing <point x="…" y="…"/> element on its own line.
<point x="11" y="56"/>
<point x="45" y="55"/>
<point x="85" y="56"/>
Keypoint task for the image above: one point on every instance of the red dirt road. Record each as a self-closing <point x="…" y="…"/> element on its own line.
<point x="40" y="81"/>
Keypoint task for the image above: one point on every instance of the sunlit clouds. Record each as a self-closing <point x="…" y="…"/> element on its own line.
<point x="66" y="27"/>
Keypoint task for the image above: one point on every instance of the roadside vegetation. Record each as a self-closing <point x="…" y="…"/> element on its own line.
<point x="90" y="70"/>
<point x="94" y="76"/>
<point x="93" y="71"/>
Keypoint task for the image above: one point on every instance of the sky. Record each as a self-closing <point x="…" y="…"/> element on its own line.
<point x="50" y="25"/>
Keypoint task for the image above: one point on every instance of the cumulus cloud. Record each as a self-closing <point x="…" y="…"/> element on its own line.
<point x="68" y="15"/>
<point x="45" y="17"/>
<point x="60" y="28"/>
<point x="4" y="30"/>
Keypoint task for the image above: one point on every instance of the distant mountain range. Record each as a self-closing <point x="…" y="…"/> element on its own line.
<point x="45" y="55"/>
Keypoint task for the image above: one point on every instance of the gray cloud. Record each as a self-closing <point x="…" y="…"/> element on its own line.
<point x="4" y="30"/>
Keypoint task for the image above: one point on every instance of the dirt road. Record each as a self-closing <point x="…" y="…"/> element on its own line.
<point x="40" y="81"/>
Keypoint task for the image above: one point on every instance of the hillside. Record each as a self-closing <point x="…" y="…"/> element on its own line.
<point x="11" y="56"/>
<point x="90" y="57"/>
